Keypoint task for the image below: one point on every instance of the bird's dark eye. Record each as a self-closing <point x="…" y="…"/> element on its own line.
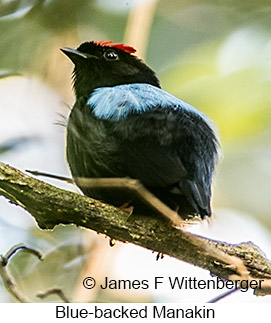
<point x="111" y="55"/>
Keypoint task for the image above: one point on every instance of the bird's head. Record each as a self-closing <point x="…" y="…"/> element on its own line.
<point x="100" y="64"/>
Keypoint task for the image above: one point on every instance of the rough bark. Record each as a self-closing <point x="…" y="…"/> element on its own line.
<point x="51" y="206"/>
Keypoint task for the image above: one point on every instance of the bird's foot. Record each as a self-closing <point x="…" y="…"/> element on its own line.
<point x="127" y="208"/>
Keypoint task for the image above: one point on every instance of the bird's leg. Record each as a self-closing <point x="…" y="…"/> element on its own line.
<point x="135" y="186"/>
<point x="127" y="207"/>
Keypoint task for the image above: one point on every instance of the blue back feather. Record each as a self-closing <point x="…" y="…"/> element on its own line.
<point x="117" y="102"/>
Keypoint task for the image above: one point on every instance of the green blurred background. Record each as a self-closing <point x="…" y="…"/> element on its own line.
<point x="214" y="54"/>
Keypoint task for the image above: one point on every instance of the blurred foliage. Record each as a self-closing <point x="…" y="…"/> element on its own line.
<point x="13" y="144"/>
<point x="215" y="54"/>
<point x="4" y="74"/>
<point x="60" y="267"/>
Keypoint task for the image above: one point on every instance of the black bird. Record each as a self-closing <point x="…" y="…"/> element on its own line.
<point x="124" y="125"/>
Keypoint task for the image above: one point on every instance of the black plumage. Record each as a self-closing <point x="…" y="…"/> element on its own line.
<point x="124" y="125"/>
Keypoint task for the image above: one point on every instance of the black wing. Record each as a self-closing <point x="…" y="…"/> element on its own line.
<point x="170" y="151"/>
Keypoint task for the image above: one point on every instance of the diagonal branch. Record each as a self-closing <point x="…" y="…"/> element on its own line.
<point x="137" y="188"/>
<point x="51" y="206"/>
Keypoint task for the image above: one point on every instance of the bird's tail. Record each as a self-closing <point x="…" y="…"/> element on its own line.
<point x="198" y="198"/>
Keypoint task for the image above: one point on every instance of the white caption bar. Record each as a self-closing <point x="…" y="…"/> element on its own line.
<point x="139" y="312"/>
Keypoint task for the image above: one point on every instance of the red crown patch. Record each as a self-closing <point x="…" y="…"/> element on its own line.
<point x="125" y="48"/>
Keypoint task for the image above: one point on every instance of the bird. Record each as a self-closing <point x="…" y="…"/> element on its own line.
<point x="124" y="125"/>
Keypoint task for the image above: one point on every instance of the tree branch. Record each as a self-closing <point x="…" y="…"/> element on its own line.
<point x="7" y="279"/>
<point x="51" y="206"/>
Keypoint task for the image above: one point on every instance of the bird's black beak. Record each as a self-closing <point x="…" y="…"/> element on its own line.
<point x="75" y="54"/>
